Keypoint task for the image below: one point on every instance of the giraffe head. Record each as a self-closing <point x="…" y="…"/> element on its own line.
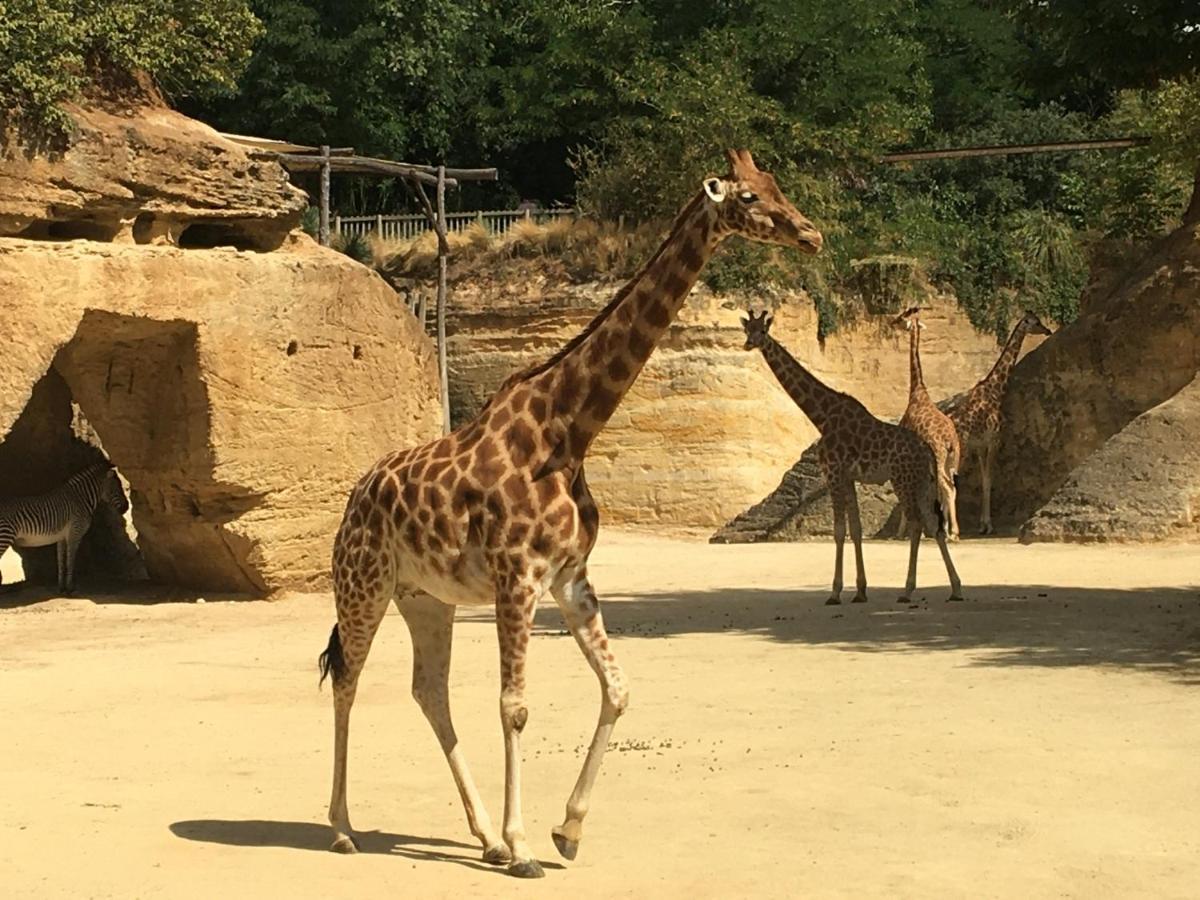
<point x="757" y="328"/>
<point x="909" y="319"/>
<point x="749" y="203"/>
<point x="1032" y="324"/>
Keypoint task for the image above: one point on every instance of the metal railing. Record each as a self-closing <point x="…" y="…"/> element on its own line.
<point x="410" y="225"/>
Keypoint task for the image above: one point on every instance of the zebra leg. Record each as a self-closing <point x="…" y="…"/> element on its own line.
<point x="70" y="546"/>
<point x="61" y="547"/>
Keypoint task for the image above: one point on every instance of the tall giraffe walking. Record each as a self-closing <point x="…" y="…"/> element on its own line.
<point x="498" y="512"/>
<point x="857" y="447"/>
<point x="978" y="413"/>
<point x="930" y="424"/>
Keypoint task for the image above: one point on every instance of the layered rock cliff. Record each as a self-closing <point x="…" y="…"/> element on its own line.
<point x="706" y="430"/>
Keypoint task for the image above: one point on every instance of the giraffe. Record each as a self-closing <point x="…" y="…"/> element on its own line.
<point x="930" y="424"/>
<point x="856" y="446"/>
<point x="977" y="414"/>
<point x="499" y="512"/>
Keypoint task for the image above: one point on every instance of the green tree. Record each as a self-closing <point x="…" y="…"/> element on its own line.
<point x="55" y="49"/>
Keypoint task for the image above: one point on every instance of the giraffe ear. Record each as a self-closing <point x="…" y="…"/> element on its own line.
<point x="745" y="322"/>
<point x="715" y="188"/>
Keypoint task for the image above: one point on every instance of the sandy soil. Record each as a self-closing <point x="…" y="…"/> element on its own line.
<point x="1039" y="740"/>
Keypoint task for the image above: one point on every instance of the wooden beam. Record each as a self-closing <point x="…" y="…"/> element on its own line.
<point x="359" y="165"/>
<point x="1015" y="149"/>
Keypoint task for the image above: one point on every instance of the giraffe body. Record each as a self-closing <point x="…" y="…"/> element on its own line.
<point x="978" y="414"/>
<point x="499" y="512"/>
<point x="930" y="424"/>
<point x="855" y="446"/>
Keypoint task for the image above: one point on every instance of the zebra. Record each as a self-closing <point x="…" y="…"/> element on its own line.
<point x="62" y="516"/>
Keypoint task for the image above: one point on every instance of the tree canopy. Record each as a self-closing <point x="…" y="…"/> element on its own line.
<point x="621" y="106"/>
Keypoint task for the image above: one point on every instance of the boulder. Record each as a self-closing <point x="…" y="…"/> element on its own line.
<point x="1143" y="484"/>
<point x="141" y="173"/>
<point x="240" y="393"/>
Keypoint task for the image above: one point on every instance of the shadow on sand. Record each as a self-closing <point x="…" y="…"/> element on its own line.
<point x="1154" y="630"/>
<point x="313" y="836"/>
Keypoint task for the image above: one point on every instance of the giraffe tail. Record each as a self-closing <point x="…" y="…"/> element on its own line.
<point x="332" y="662"/>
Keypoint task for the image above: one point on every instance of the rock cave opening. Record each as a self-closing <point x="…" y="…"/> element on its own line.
<point x="129" y="388"/>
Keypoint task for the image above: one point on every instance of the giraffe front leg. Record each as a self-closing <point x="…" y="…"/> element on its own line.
<point x="860" y="570"/>
<point x="986" y="455"/>
<point x="582" y="613"/>
<point x="837" y="499"/>
<point x="515" y="605"/>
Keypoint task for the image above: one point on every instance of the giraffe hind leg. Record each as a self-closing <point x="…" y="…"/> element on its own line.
<point x="361" y="603"/>
<point x="430" y="624"/>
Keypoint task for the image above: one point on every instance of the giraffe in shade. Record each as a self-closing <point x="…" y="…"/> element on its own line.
<point x="856" y="446"/>
<point x="499" y="512"/>
<point x="930" y="424"/>
<point x="978" y="416"/>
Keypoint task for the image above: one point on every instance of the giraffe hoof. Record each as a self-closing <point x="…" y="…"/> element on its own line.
<point x="526" y="868"/>
<point x="833" y="601"/>
<point x="903" y="600"/>
<point x="344" y="844"/>
<point x="567" y="849"/>
<point x="954" y="598"/>
<point x="859" y="598"/>
<point x="497" y="855"/>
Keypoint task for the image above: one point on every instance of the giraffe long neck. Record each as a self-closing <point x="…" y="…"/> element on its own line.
<point x="809" y="392"/>
<point x="596" y="369"/>
<point x="1008" y="356"/>
<point x="916" y="381"/>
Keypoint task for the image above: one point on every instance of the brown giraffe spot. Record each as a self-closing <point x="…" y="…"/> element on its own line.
<point x="388" y="494"/>
<point x="517" y="532"/>
<point x="441" y="526"/>
<point x="618" y="369"/>
<point x="443" y="449"/>
<point x="674" y="285"/>
<point x="411" y="494"/>
<point x="537" y="407"/>
<point x="449" y="477"/>
<point x="690" y="256"/>
<point x="521" y="442"/>
<point x="639" y="345"/>
<point x="602" y="402"/>
<point x="657" y="314"/>
<point x="568" y="391"/>
<point x="516" y="487"/>
<point x="414" y="536"/>
<point x="501" y="417"/>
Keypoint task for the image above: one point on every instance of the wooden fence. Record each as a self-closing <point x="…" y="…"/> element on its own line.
<point x="404" y="227"/>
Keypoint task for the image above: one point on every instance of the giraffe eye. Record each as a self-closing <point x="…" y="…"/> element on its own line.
<point x="748" y="196"/>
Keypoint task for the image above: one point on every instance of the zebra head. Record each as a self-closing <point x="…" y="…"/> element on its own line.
<point x="112" y="493"/>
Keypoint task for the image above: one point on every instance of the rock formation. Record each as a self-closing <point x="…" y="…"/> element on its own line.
<point x="1124" y="355"/>
<point x="239" y="392"/>
<point x="706" y="430"/>
<point x="1142" y="485"/>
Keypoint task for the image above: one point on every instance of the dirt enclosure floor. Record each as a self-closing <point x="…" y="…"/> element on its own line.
<point x="1041" y="739"/>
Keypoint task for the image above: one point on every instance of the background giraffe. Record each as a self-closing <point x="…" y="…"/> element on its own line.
<point x="930" y="424"/>
<point x="856" y="446"/>
<point x="978" y="416"/>
<point x="499" y="512"/>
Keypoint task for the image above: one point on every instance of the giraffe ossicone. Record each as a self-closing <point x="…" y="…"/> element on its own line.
<point x="499" y="512"/>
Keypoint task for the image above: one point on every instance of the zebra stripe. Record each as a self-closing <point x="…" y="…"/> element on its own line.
<point x="61" y="517"/>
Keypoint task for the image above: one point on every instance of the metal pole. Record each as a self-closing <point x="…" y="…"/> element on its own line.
<point x="443" y="248"/>
<point x="323" y="230"/>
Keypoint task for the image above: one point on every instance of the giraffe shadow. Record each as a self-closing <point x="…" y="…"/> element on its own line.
<point x="314" y="836"/>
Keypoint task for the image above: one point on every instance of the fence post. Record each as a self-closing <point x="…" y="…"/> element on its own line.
<point x="443" y="249"/>
<point x="379" y="225"/>
<point x="323" y="227"/>
<point x="337" y="225"/>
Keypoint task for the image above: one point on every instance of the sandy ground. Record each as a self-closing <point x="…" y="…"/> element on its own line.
<point x="1039" y="740"/>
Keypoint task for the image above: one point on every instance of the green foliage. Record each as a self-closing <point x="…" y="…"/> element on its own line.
<point x="355" y="246"/>
<point x="54" y="49"/>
